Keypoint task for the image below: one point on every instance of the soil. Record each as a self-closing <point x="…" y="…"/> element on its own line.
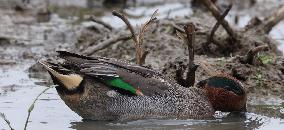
<point x="168" y="52"/>
<point x="28" y="36"/>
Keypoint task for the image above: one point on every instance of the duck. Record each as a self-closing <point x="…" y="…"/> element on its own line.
<point x="108" y="89"/>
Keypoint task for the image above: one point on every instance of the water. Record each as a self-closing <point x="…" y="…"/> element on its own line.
<point x="19" y="87"/>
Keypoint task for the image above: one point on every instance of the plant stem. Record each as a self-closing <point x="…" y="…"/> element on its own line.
<point x="32" y="106"/>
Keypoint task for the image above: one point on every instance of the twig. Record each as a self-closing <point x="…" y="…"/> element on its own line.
<point x="176" y="27"/>
<point x="214" y="29"/>
<point x="249" y="58"/>
<point x="6" y="120"/>
<point x="217" y="14"/>
<point x="32" y="106"/>
<point x="99" y="21"/>
<point x="189" y="29"/>
<point x="219" y="21"/>
<point x="138" y="39"/>
<point x="272" y="20"/>
<point x="144" y="55"/>
<point x="141" y="54"/>
<point x="106" y="43"/>
<point x="134" y="36"/>
<point x="144" y="27"/>
<point x="190" y="34"/>
<point x="126" y="21"/>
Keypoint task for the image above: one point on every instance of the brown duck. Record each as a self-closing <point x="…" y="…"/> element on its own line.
<point x="100" y="88"/>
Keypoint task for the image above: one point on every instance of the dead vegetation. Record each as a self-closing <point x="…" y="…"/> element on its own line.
<point x="245" y="53"/>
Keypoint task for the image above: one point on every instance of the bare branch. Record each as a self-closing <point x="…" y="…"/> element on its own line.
<point x="144" y="27"/>
<point x="141" y="54"/>
<point x="190" y="33"/>
<point x="274" y="19"/>
<point x="134" y="36"/>
<point x="144" y="55"/>
<point x="176" y="27"/>
<point x="106" y="43"/>
<point x="126" y="21"/>
<point x="219" y="21"/>
<point x="138" y="39"/>
<point x="217" y="14"/>
<point x="214" y="29"/>
<point x="99" y="21"/>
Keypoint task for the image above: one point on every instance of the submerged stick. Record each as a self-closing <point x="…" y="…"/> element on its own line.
<point x="32" y="106"/>
<point x="2" y="115"/>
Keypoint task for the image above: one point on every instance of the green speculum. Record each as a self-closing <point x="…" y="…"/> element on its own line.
<point x="119" y="83"/>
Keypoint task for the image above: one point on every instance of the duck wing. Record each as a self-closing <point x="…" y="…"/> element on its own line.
<point x="117" y="74"/>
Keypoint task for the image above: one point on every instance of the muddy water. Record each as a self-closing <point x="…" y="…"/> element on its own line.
<point x="19" y="87"/>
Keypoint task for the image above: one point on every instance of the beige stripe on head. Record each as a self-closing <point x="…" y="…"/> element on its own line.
<point x="71" y="81"/>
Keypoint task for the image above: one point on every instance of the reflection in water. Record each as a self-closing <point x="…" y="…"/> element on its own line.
<point x="18" y="87"/>
<point x="230" y="121"/>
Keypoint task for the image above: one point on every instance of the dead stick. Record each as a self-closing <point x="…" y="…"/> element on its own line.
<point x="177" y="28"/>
<point x="141" y="54"/>
<point x="144" y="55"/>
<point x="190" y="34"/>
<point x="274" y="19"/>
<point x="134" y="36"/>
<point x="106" y="43"/>
<point x="126" y="21"/>
<point x="144" y="27"/>
<point x="219" y="21"/>
<point x="217" y="14"/>
<point x="99" y="21"/>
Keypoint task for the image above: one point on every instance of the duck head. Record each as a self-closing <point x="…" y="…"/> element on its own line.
<point x="64" y="78"/>
<point x="225" y="93"/>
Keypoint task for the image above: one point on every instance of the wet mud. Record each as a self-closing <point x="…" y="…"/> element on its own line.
<point x="27" y="36"/>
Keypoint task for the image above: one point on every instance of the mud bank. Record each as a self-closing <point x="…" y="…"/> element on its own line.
<point x="24" y="40"/>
